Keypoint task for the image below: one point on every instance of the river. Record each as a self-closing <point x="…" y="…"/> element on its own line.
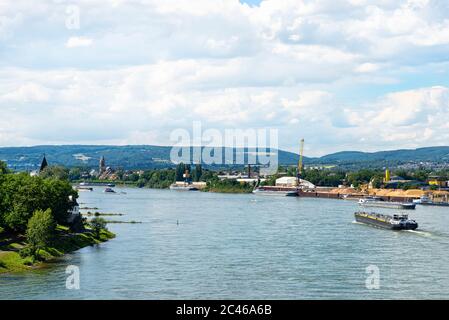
<point x="195" y="245"/>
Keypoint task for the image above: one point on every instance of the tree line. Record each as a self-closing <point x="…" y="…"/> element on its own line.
<point x="331" y="177"/>
<point x="33" y="206"/>
<point x="21" y="195"/>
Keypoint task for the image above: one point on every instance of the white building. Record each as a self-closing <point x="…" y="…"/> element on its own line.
<point x="74" y="211"/>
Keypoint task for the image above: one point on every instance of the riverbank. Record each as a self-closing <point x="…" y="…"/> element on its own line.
<point x="65" y="242"/>
<point x="218" y="186"/>
<point x="233" y="186"/>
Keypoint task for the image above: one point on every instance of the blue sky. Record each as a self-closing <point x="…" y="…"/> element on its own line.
<point x="343" y="74"/>
<point x="251" y="2"/>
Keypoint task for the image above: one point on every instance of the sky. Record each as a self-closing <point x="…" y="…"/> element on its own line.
<point x="343" y="74"/>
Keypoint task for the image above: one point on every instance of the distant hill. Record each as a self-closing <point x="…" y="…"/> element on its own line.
<point x="429" y="154"/>
<point x="146" y="156"/>
<point x="126" y="157"/>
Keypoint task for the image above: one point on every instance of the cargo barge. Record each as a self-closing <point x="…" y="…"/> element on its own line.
<point x="84" y="189"/>
<point x="379" y="203"/>
<point x="181" y="187"/>
<point x="97" y="184"/>
<point x="426" y="201"/>
<point x="276" y="191"/>
<point x="395" y="222"/>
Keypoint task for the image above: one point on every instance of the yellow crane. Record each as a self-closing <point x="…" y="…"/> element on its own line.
<point x="300" y="162"/>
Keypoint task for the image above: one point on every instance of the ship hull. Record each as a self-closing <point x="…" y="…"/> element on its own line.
<point x="86" y="189"/>
<point x="182" y="188"/>
<point x="384" y="224"/>
<point x="373" y="222"/>
<point x="403" y="206"/>
<point x="437" y="204"/>
<point x="273" y="192"/>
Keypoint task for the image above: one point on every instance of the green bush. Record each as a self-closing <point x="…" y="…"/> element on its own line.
<point x="21" y="195"/>
<point x="40" y="231"/>
<point x="97" y="224"/>
<point x="25" y="252"/>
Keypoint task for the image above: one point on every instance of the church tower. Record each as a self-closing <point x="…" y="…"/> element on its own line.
<point x="44" y="164"/>
<point x="102" y="167"/>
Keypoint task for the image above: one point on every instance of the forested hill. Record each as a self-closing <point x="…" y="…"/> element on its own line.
<point x="126" y="157"/>
<point x="146" y="156"/>
<point x="429" y="154"/>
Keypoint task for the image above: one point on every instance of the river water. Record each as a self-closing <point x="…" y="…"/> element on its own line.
<point x="195" y="245"/>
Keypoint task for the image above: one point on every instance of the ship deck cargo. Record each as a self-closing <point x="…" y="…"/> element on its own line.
<point x="395" y="222"/>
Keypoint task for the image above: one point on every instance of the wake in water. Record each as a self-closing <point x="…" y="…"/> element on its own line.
<point x="418" y="232"/>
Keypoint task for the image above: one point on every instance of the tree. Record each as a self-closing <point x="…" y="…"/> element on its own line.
<point x="133" y="177"/>
<point x="21" y="195"/>
<point x="97" y="224"/>
<point x="180" y="170"/>
<point x="3" y="168"/>
<point x="197" y="173"/>
<point x="324" y="177"/>
<point x="74" y="174"/>
<point x="2" y="194"/>
<point x="57" y="193"/>
<point x="270" y="181"/>
<point x="403" y="174"/>
<point x="363" y="176"/>
<point x="292" y="171"/>
<point x="56" y="172"/>
<point x="188" y="169"/>
<point x="40" y="230"/>
<point x="421" y="175"/>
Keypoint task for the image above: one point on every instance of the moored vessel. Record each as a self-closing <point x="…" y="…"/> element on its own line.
<point x="427" y="201"/>
<point x="97" y="184"/>
<point x="395" y="222"/>
<point x="183" y="187"/>
<point x="80" y="188"/>
<point x="276" y="191"/>
<point x="377" y="202"/>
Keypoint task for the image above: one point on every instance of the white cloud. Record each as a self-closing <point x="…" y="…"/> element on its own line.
<point x="367" y="67"/>
<point x="409" y="118"/>
<point x="342" y="73"/>
<point x="74" y="42"/>
<point x="27" y="93"/>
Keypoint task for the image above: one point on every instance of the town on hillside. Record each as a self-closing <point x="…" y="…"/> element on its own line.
<point x="399" y="184"/>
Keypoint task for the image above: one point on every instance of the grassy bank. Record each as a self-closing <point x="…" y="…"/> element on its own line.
<point x="64" y="242"/>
